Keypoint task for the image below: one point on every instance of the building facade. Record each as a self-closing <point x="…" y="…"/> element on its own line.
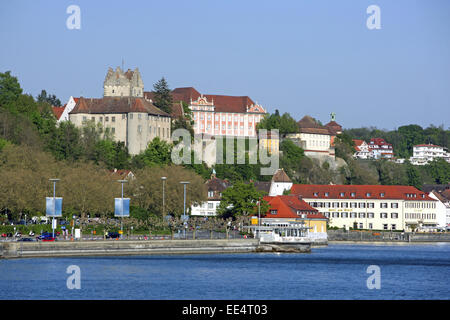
<point x="314" y="139"/>
<point x="280" y="183"/>
<point x="291" y="209"/>
<point x="123" y="84"/>
<point x="372" y="207"/>
<point x="219" y="115"/>
<point x="362" y="150"/>
<point x="62" y="113"/>
<point x="215" y="187"/>
<point x="425" y="153"/>
<point x="134" y="121"/>
<point x="380" y="149"/>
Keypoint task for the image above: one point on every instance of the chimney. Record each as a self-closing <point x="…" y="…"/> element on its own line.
<point x="300" y="197"/>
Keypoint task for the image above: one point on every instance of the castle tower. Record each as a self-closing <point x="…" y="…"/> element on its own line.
<point x="123" y="84"/>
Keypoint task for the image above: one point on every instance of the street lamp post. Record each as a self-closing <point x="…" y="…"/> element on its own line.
<point x="164" y="199"/>
<point x="54" y="180"/>
<point x="121" y="218"/>
<point x="184" y="183"/>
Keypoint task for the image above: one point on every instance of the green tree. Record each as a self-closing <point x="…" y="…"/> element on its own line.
<point x="285" y="123"/>
<point x="158" y="153"/>
<point x="162" y="96"/>
<point x="10" y="89"/>
<point x="241" y="199"/>
<point x="413" y="174"/>
<point x="148" y="194"/>
<point x="439" y="170"/>
<point x="50" y="99"/>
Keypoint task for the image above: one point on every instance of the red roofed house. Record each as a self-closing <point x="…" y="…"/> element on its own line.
<point x="122" y="113"/>
<point x="219" y="115"/>
<point x="292" y="209"/>
<point x="375" y="207"/>
<point x="380" y="149"/>
<point x="361" y="149"/>
<point x="62" y="113"/>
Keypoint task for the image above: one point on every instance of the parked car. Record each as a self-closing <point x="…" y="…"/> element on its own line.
<point x="112" y="235"/>
<point x="47" y="235"/>
<point x="26" y="239"/>
<point x="48" y="239"/>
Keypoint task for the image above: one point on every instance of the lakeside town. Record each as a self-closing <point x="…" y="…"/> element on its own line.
<point x="131" y="133"/>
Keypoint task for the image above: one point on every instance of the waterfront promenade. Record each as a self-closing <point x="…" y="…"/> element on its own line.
<point x="124" y="247"/>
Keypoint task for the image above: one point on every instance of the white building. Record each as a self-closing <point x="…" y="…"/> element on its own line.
<point x="380" y="149"/>
<point x="443" y="208"/>
<point x="62" y="113"/>
<point x="280" y="183"/>
<point x="425" y="153"/>
<point x="362" y="150"/>
<point x="215" y="188"/>
<point x="375" y="207"/>
<point x="314" y="139"/>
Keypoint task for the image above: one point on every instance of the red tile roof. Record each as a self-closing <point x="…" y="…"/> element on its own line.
<point x="288" y="206"/>
<point x="308" y="125"/>
<point x="359" y="191"/>
<point x="222" y="103"/>
<point x="333" y="127"/>
<point x="116" y="105"/>
<point x="58" y="111"/>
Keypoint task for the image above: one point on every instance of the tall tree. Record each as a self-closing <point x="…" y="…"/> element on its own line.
<point x="10" y="89"/>
<point x="49" y="98"/>
<point x="162" y="96"/>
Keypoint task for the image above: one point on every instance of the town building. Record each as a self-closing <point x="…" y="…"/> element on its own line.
<point x="373" y="207"/>
<point x="314" y="139"/>
<point x="425" y="153"/>
<point x="219" y="115"/>
<point x="134" y="121"/>
<point x="122" y="113"/>
<point x="442" y="207"/>
<point x="62" y="113"/>
<point x="334" y="128"/>
<point x="270" y="141"/>
<point x="215" y="187"/>
<point x="280" y="183"/>
<point x="291" y="209"/>
<point x="362" y="150"/>
<point x="123" y="84"/>
<point x="380" y="149"/>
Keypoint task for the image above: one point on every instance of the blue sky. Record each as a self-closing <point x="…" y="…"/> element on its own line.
<point x="302" y="57"/>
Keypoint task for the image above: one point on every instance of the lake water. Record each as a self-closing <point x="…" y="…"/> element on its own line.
<point x="333" y="272"/>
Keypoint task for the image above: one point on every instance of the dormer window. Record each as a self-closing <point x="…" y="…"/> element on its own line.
<point x="316" y="194"/>
<point x="368" y="194"/>
<point x="353" y="194"/>
<point x="327" y="194"/>
<point x="342" y="194"/>
<point x="273" y="211"/>
<point x="382" y="194"/>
